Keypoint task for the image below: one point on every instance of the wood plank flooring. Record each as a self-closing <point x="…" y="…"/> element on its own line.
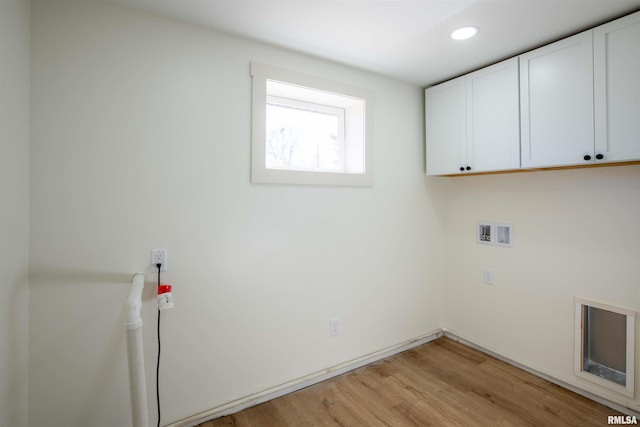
<point x="441" y="383"/>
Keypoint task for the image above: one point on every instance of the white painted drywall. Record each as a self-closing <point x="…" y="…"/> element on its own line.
<point x="576" y="234"/>
<point x="141" y="139"/>
<point x="14" y="211"/>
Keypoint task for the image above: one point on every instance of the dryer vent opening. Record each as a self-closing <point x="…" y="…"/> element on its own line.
<point x="605" y="345"/>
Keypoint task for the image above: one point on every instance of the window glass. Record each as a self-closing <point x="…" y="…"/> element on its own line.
<point x="304" y="136"/>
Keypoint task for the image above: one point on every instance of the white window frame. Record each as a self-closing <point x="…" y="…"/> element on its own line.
<point x="358" y="128"/>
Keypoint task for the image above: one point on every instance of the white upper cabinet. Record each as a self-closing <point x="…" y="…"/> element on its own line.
<point x="445" y="118"/>
<point x="493" y="129"/>
<point x="617" y="89"/>
<point x="472" y="122"/>
<point x="556" y="103"/>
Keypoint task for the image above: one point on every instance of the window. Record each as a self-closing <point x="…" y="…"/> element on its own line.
<point x="308" y="130"/>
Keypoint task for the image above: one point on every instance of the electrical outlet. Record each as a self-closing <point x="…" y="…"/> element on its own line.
<point x="158" y="256"/>
<point x="488" y="276"/>
<point x="334" y="327"/>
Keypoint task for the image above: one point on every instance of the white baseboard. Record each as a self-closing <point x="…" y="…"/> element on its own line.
<point x="317" y="377"/>
<point x="588" y="395"/>
<point x="306" y="381"/>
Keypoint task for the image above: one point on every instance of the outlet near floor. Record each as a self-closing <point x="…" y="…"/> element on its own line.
<point x="334" y="327"/>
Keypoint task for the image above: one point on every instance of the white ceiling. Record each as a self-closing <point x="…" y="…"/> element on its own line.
<point x="405" y="39"/>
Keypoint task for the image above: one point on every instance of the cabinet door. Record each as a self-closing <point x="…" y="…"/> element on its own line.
<point x="556" y="103"/>
<point x="617" y="89"/>
<point x="445" y="127"/>
<point x="493" y="125"/>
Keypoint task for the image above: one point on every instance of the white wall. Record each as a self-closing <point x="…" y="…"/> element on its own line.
<point x="577" y="234"/>
<point x="140" y="139"/>
<point x="14" y="211"/>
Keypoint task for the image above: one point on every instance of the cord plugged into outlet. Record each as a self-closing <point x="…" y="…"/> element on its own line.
<point x="158" y="256"/>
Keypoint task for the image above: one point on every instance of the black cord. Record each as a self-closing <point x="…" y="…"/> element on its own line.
<point x="158" y="362"/>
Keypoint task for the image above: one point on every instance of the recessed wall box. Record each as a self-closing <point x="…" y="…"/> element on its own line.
<point x="484" y="233"/>
<point x="492" y="233"/>
<point x="503" y="234"/>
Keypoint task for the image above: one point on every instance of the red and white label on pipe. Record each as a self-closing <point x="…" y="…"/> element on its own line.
<point x="165" y="297"/>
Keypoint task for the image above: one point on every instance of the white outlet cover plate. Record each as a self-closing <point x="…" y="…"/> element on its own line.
<point x="158" y="255"/>
<point x="488" y="276"/>
<point x="334" y="327"/>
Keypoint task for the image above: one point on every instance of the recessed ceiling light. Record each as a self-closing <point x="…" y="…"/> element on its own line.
<point x="464" y="33"/>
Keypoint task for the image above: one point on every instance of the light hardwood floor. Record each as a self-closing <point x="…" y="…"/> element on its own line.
<point x="442" y="383"/>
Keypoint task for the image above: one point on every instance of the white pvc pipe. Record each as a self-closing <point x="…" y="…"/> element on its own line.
<point x="133" y="305"/>
<point x="133" y="325"/>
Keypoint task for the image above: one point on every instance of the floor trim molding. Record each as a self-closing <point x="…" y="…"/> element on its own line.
<point x="608" y="403"/>
<point x="317" y="377"/>
<point x="306" y="381"/>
